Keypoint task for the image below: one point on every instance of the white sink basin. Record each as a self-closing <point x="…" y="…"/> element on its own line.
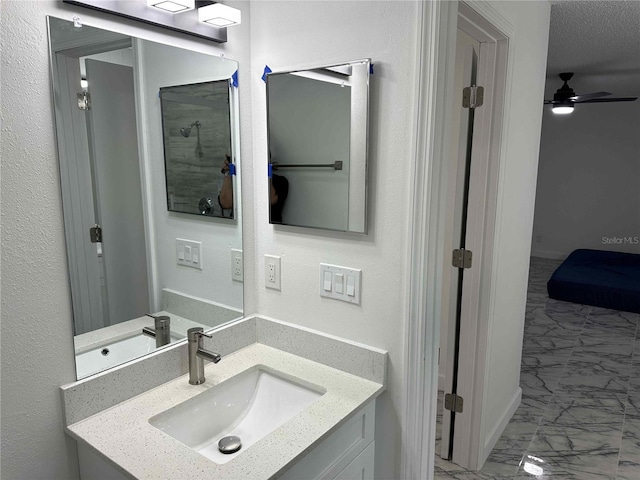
<point x="249" y="405"/>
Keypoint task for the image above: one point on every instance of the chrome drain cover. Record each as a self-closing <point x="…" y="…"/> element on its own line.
<point x="230" y="444"/>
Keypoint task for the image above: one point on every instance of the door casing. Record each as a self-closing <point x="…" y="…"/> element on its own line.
<point x="440" y="21"/>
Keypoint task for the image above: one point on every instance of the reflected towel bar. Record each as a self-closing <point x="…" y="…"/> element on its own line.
<point x="336" y="165"/>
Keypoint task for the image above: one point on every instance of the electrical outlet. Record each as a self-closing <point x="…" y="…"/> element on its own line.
<point x="272" y="271"/>
<point x="236" y="265"/>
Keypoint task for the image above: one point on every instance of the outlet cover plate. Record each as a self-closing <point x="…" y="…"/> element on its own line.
<point x="237" y="272"/>
<point x="272" y="272"/>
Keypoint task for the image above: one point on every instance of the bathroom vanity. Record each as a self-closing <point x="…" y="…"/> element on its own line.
<point x="297" y="415"/>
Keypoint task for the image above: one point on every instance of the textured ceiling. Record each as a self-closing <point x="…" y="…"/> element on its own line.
<point x="600" y="42"/>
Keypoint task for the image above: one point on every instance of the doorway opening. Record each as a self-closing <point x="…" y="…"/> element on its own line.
<point x="472" y="177"/>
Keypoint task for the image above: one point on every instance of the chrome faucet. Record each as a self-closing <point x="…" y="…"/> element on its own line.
<point x="162" y="330"/>
<point x="197" y="355"/>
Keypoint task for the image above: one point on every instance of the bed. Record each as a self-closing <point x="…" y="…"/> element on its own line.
<point x="599" y="278"/>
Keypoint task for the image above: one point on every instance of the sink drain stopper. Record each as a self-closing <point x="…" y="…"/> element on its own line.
<point x="230" y="444"/>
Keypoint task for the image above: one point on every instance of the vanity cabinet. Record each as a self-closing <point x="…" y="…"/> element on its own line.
<point x="348" y="453"/>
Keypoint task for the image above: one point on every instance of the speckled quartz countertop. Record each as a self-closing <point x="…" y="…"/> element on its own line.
<point x="123" y="435"/>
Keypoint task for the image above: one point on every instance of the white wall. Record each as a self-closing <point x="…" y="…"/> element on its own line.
<point x="588" y="179"/>
<point x="289" y="35"/>
<point x="163" y="66"/>
<point x="516" y="194"/>
<point x="37" y="345"/>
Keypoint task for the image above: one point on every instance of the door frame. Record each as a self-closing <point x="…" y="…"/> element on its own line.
<point x="70" y="149"/>
<point x="439" y="23"/>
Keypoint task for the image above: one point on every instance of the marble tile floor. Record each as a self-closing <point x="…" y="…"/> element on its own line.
<point x="580" y="411"/>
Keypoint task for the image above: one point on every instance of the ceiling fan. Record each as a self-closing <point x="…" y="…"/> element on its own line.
<point x="565" y="98"/>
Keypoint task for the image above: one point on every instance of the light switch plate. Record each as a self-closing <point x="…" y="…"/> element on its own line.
<point x="237" y="272"/>
<point x="345" y="283"/>
<point x="189" y="253"/>
<point x="272" y="271"/>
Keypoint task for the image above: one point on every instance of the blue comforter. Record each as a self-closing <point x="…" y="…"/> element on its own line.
<point x="599" y="278"/>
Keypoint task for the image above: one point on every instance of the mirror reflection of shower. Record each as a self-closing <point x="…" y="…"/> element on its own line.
<point x="186" y="132"/>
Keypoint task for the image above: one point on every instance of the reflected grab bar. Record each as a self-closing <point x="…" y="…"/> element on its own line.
<point x="335" y="165"/>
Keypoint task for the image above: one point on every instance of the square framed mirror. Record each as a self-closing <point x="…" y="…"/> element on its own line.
<point x="317" y="122"/>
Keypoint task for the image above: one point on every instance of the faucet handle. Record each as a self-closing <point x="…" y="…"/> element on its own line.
<point x="197" y="333"/>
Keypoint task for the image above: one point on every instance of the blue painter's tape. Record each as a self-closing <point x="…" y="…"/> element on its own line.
<point x="270" y="171"/>
<point x="371" y="68"/>
<point x="267" y="70"/>
<point x="234" y="79"/>
<point x="232" y="169"/>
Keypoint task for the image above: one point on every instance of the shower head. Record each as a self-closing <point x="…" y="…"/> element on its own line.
<point x="186" y="131"/>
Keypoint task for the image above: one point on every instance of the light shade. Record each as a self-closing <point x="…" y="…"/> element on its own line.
<point x="219" y="15"/>
<point x="562" y="109"/>
<point x="173" y="6"/>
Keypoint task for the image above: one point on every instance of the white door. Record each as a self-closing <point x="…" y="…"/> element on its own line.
<point x="113" y="145"/>
<point x="455" y="283"/>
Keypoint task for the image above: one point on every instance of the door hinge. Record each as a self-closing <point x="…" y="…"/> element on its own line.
<point x="461" y="258"/>
<point x="472" y="97"/>
<point x="84" y="101"/>
<point x="95" y="233"/>
<point x="453" y="402"/>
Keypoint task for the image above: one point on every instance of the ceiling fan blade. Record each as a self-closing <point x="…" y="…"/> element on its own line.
<point x="606" y="100"/>
<point x="589" y="96"/>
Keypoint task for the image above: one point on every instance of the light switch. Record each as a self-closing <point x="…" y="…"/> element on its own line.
<point x="351" y="286"/>
<point x="189" y="253"/>
<point x="340" y="283"/>
<point x="327" y="282"/>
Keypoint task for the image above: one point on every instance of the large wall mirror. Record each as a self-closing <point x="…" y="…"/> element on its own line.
<point x="317" y="135"/>
<point x="129" y="253"/>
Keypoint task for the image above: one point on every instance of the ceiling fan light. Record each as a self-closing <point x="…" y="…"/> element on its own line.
<point x="562" y="109"/>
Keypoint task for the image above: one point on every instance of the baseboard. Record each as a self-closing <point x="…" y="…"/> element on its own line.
<point x="550" y="254"/>
<point x="496" y="432"/>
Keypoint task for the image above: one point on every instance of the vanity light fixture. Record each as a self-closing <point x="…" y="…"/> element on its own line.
<point x="172" y="6"/>
<point x="219" y="15"/>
